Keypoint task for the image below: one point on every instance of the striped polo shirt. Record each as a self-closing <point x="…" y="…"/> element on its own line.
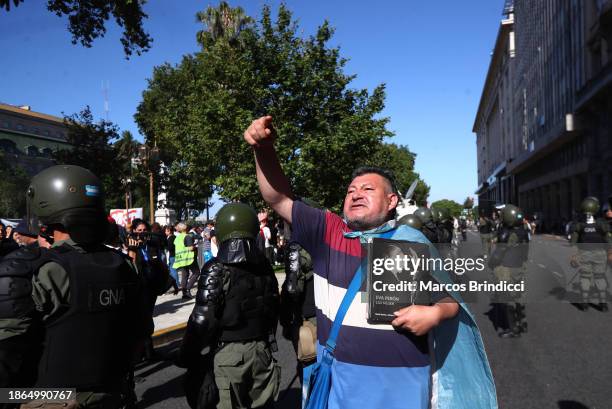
<point x="376" y="366"/>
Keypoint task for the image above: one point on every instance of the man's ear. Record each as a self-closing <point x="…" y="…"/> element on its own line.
<point x="393" y="200"/>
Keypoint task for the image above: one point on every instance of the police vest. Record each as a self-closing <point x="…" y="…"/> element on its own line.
<point x="183" y="255"/>
<point x="486" y="227"/>
<point x="590" y="234"/>
<point x="251" y="303"/>
<point x="514" y="255"/>
<point x="445" y="232"/>
<point x="430" y="231"/>
<point x="89" y="347"/>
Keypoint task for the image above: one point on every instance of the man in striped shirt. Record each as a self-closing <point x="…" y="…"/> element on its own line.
<point x="377" y="365"/>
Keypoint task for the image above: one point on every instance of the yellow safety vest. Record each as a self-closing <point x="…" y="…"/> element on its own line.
<point x="183" y="255"/>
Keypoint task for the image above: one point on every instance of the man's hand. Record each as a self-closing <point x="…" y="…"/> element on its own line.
<point x="420" y="319"/>
<point x="260" y="132"/>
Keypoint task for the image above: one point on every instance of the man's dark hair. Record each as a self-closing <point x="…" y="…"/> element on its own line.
<point x="385" y="173"/>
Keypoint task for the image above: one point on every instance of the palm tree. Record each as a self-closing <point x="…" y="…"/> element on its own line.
<point x="222" y="22"/>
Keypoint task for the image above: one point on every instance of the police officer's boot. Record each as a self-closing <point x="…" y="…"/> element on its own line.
<point x="509" y="324"/>
<point x="521" y="318"/>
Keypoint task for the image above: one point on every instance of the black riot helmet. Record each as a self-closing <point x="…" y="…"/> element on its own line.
<point x="424" y="214"/>
<point x="411" y="220"/>
<point x="69" y="196"/>
<point x="590" y="205"/>
<point x="511" y="216"/>
<point x="236" y="228"/>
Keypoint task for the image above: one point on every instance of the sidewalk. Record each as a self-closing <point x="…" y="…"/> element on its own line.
<point x="172" y="312"/>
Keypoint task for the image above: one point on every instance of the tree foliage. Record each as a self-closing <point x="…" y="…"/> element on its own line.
<point x="87" y="20"/>
<point x="198" y="110"/>
<point x="13" y="185"/>
<point x="98" y="147"/>
<point x="400" y="160"/>
<point x="453" y="207"/>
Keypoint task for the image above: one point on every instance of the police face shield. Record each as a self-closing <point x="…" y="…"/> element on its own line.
<point x="235" y="251"/>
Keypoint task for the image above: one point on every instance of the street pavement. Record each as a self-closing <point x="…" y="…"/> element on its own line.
<point x="564" y="361"/>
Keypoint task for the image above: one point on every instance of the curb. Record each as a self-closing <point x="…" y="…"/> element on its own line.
<point x="168" y="335"/>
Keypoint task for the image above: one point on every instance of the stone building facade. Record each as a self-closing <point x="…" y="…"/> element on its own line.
<point x="550" y="144"/>
<point x="29" y="138"/>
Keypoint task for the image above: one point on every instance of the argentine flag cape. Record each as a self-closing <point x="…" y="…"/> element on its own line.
<point x="460" y="374"/>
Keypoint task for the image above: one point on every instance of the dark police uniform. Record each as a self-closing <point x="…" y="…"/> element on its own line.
<point x="71" y="316"/>
<point x="87" y="304"/>
<point x="298" y="310"/>
<point x="593" y="241"/>
<point x="509" y="262"/>
<point x="236" y="312"/>
<point x="486" y="228"/>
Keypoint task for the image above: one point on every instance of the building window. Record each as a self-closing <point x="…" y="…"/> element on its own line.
<point x="33" y="151"/>
<point x="46" y="132"/>
<point x="47" y="152"/>
<point x="20" y="127"/>
<point x="6" y="125"/>
<point x="8" y="146"/>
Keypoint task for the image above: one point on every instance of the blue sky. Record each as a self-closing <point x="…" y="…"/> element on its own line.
<point x="433" y="56"/>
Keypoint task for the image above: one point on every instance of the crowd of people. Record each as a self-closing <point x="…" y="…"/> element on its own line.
<point x="79" y="279"/>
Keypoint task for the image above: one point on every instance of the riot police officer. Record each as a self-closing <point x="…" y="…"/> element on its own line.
<point x="298" y="311"/>
<point x="508" y="261"/>
<point x="592" y="237"/>
<point x="445" y="230"/>
<point x="429" y="228"/>
<point x="486" y="228"/>
<point x="411" y="220"/>
<point x="235" y="316"/>
<point x="445" y="225"/>
<point x="76" y="304"/>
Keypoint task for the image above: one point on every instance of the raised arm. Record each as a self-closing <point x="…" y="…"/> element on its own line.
<point x="273" y="183"/>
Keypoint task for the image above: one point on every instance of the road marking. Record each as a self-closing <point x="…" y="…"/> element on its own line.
<point x="541" y="265"/>
<point x="558" y="274"/>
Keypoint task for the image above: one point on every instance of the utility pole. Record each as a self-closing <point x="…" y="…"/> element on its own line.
<point x="150" y="156"/>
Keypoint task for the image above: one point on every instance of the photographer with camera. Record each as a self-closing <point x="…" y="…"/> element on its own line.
<point x="145" y="249"/>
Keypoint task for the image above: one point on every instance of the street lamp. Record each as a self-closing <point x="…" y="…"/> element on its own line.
<point x="149" y="156"/>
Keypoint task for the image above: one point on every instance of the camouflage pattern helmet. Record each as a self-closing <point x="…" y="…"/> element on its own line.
<point x="424" y="214"/>
<point x="236" y="221"/>
<point x="511" y="216"/>
<point x="70" y="196"/>
<point x="411" y="220"/>
<point x="590" y="205"/>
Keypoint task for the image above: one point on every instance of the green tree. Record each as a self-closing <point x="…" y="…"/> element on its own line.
<point x="87" y="20"/>
<point x="222" y="21"/>
<point x="400" y="160"/>
<point x="197" y="111"/>
<point x="13" y="185"/>
<point x="453" y="207"/>
<point x="92" y="148"/>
